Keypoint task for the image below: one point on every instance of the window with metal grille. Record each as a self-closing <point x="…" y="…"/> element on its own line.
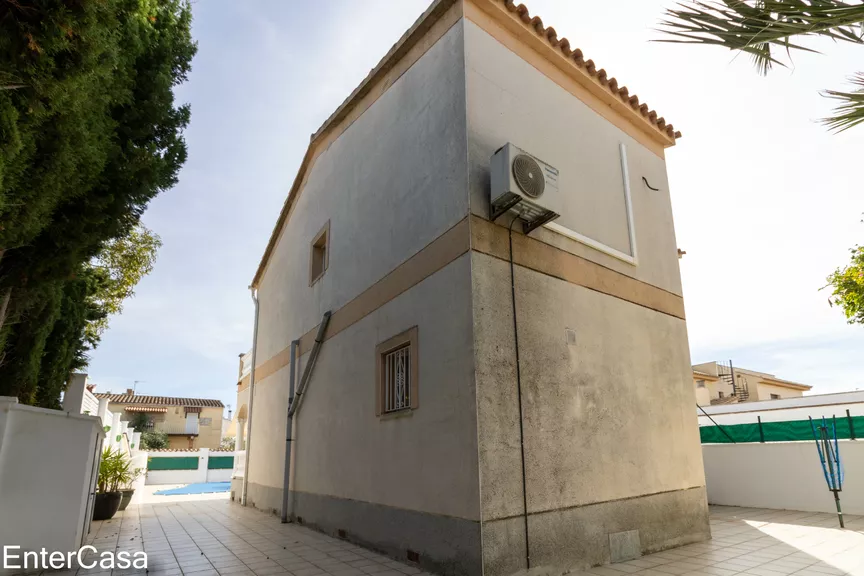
<point x="397" y="376"/>
<point x="397" y="373"/>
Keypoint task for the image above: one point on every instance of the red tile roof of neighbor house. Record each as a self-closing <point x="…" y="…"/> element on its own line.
<point x="160" y="400"/>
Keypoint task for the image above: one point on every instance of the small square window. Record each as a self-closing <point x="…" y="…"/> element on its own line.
<point x="397" y="374"/>
<point x="700" y="383"/>
<point x="720" y="394"/>
<point x="205" y="421"/>
<point x="775" y="397"/>
<point x="319" y="255"/>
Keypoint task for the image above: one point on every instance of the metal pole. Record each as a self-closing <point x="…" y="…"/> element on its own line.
<point x="827" y="448"/>
<point x="251" y="400"/>
<point x="851" y="425"/>
<point x="519" y="398"/>
<point x="286" y="481"/>
<point x="761" y="432"/>
<point x="839" y="511"/>
<point x="732" y="374"/>
<point x="310" y="363"/>
<point x="715" y="424"/>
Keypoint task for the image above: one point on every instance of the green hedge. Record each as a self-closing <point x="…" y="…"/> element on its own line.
<point x="176" y="463"/>
<point x="791" y="431"/>
<point x="220" y="463"/>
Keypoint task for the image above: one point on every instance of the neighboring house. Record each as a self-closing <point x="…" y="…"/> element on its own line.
<point x="425" y="431"/>
<point x="722" y="383"/>
<point x="189" y="422"/>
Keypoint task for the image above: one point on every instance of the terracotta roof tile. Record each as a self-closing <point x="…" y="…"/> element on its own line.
<point x="575" y="55"/>
<point x="160" y="400"/>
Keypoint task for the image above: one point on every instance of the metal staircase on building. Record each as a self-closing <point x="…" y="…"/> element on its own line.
<point x="740" y="390"/>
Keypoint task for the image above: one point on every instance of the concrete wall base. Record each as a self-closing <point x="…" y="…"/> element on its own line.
<point x="236" y="489"/>
<point x="266" y="498"/>
<point x="446" y="545"/>
<point x="578" y="538"/>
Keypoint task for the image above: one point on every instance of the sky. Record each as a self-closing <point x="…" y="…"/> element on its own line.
<point x="766" y="201"/>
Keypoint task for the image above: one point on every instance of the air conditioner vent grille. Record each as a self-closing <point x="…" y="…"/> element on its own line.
<point x="529" y="175"/>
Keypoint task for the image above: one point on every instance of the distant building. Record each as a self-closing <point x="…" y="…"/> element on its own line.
<point x="189" y="422"/>
<point x="239" y="423"/>
<point x="719" y="383"/>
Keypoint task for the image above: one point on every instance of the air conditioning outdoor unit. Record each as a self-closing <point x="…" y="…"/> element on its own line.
<point x="525" y="186"/>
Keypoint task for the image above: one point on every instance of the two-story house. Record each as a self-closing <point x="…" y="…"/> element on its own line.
<point x="723" y="383"/>
<point x="494" y="376"/>
<point x="189" y="422"/>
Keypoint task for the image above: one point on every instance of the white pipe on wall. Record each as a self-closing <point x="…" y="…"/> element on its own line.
<point x="251" y="397"/>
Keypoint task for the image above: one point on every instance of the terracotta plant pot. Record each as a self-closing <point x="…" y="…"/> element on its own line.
<point x="127" y="497"/>
<point x="106" y="505"/>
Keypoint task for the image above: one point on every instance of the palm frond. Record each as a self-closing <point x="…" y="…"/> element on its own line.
<point x="851" y="110"/>
<point x="757" y="26"/>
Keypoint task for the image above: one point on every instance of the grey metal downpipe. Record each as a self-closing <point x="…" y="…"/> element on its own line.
<point x="519" y="397"/>
<point x="295" y="401"/>
<point x="254" y="292"/>
<point x="295" y="344"/>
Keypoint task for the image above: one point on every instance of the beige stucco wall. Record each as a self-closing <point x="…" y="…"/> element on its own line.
<point x="703" y="395"/>
<point x="609" y="419"/>
<point x="617" y="405"/>
<point x="511" y="101"/>
<point x="423" y="462"/>
<point x="764" y="391"/>
<point x="426" y="461"/>
<point x="611" y="438"/>
<point x="717" y="386"/>
<point x="240" y="419"/>
<point x="209" y="436"/>
<point x="389" y="185"/>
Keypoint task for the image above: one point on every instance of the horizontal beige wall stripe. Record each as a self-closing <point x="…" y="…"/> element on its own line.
<point x="243" y="383"/>
<point x="487" y="238"/>
<point x="435" y="256"/>
<point x="491" y="239"/>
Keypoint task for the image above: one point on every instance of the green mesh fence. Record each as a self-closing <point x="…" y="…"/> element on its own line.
<point x="176" y="463"/>
<point x="791" y="431"/>
<point x="220" y="462"/>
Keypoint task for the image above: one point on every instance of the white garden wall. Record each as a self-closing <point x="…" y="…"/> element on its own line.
<point x="781" y="475"/>
<point x="47" y="473"/>
<point x="162" y="471"/>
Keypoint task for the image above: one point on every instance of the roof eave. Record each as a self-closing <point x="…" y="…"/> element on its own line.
<point x="785" y="384"/>
<point x="411" y="37"/>
<point x="514" y="17"/>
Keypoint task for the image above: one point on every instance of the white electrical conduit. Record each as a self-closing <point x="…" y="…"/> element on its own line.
<point x="251" y="399"/>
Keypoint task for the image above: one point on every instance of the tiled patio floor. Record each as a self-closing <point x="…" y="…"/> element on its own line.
<point x="220" y="538"/>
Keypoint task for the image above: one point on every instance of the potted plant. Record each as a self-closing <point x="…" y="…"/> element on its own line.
<point x="113" y="473"/>
<point x="128" y="491"/>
